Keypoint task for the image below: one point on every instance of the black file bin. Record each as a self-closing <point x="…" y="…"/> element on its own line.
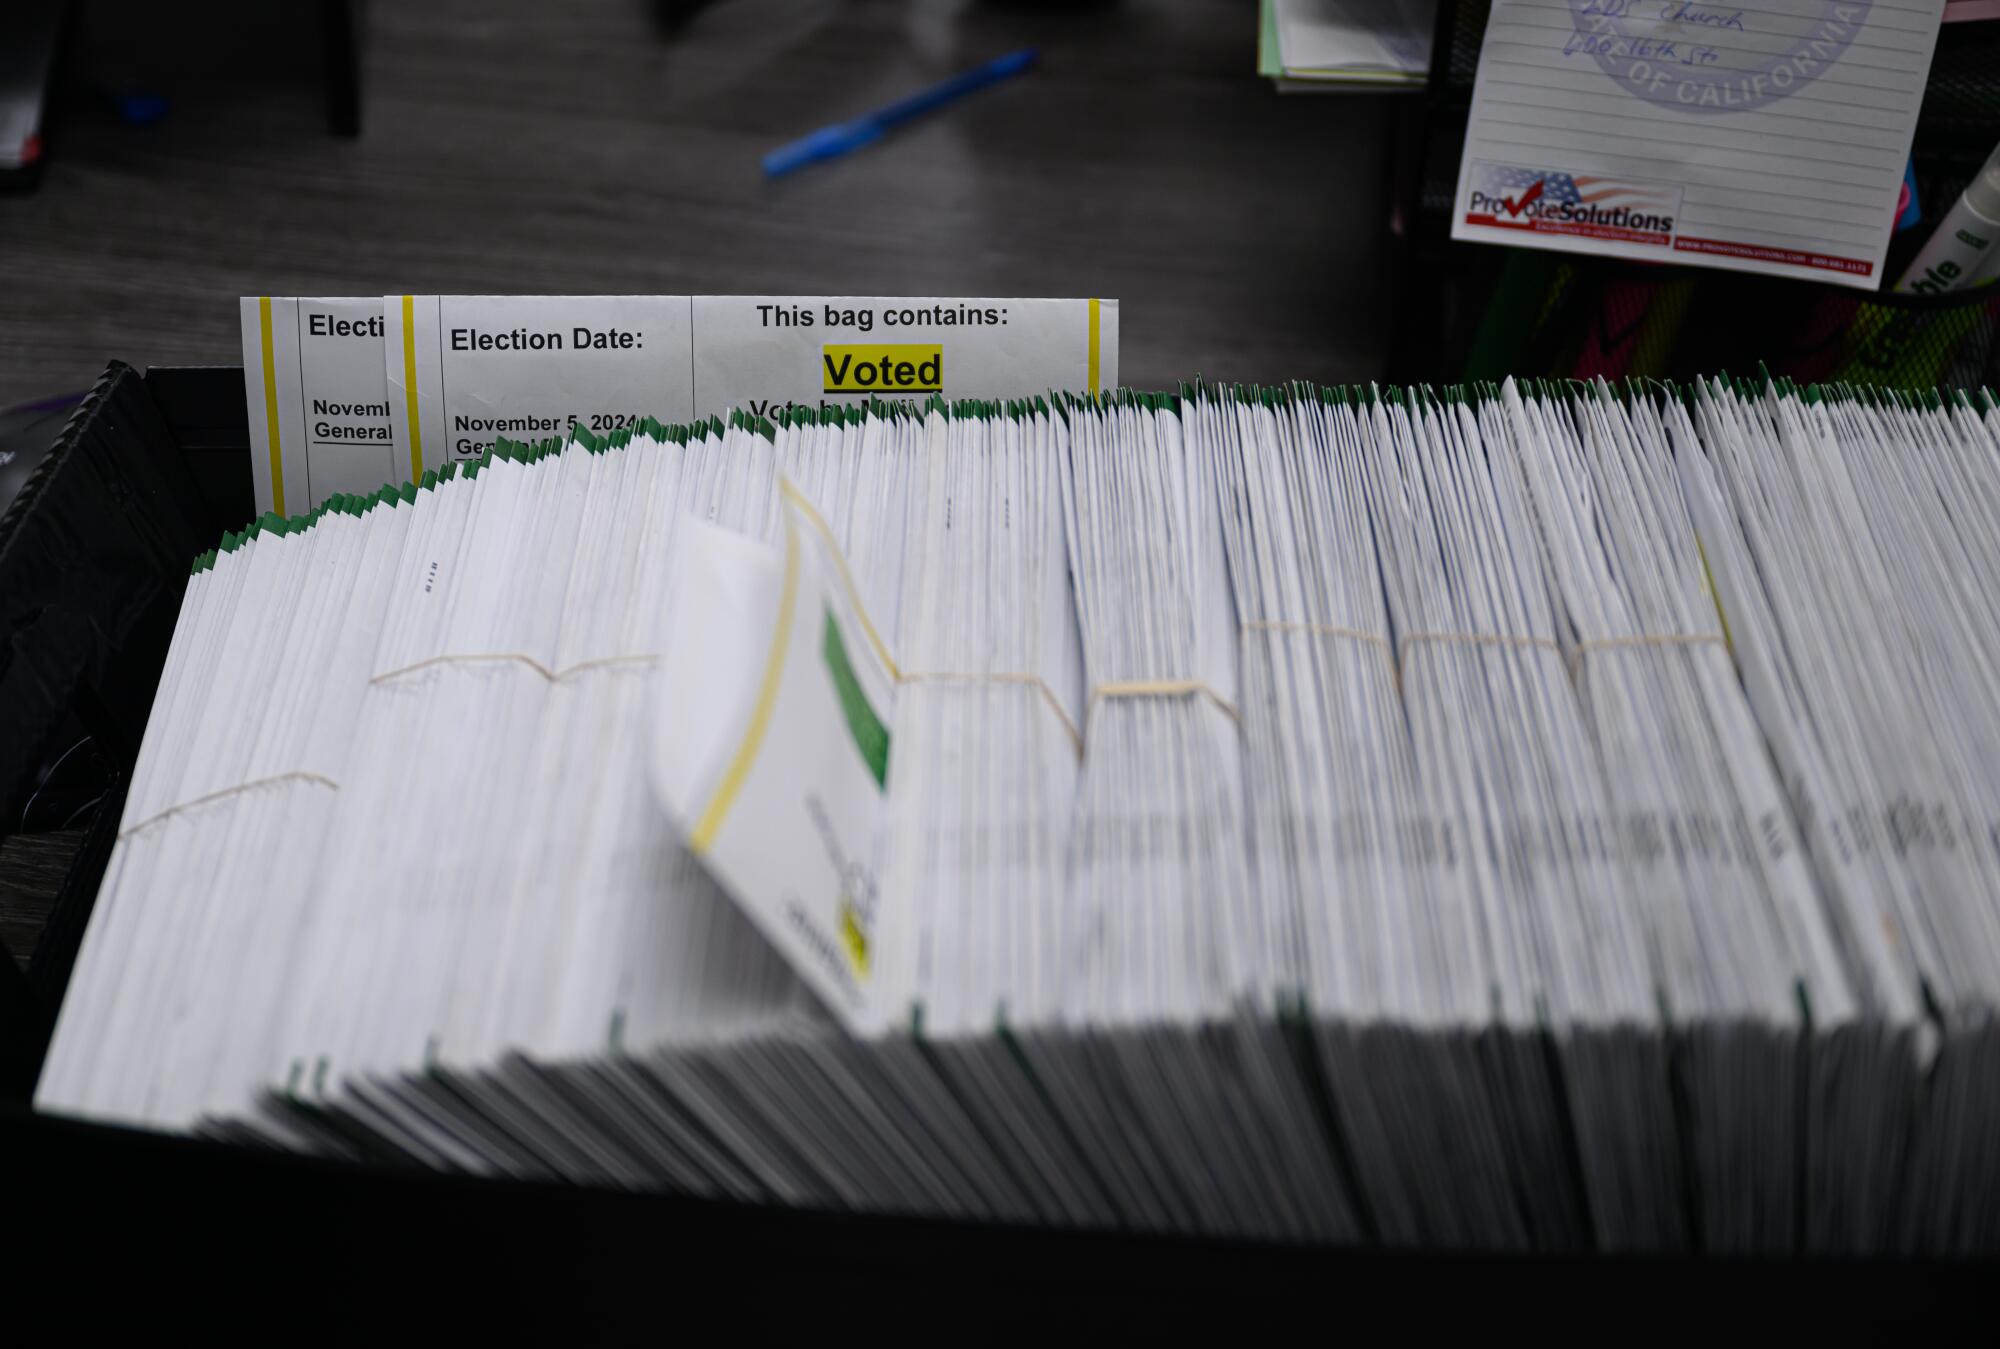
<point x="98" y="1222"/>
<point x="94" y="556"/>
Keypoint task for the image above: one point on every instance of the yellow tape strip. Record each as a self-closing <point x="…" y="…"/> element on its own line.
<point x="1093" y="346"/>
<point x="410" y="386"/>
<point x="271" y="406"/>
<point x="711" y="820"/>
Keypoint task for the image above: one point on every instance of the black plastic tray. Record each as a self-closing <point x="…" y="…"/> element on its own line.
<point x="100" y="1223"/>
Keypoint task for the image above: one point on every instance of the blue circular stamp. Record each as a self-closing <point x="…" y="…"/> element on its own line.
<point x="1712" y="58"/>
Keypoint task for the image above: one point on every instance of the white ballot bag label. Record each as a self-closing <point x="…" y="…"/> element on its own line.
<point x="348" y="394"/>
<point x="763" y="353"/>
<point x="771" y="745"/>
<point x="1762" y="137"/>
<point x="465" y="370"/>
<point x="318" y="402"/>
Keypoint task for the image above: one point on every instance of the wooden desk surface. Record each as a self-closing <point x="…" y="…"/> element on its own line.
<point x="532" y="147"/>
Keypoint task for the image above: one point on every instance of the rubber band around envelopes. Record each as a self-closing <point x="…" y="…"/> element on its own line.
<point x="513" y="658"/>
<point x="317" y="779"/>
<point x="1033" y="681"/>
<point x="1161" y="688"/>
<point x="1585" y="648"/>
<point x="1139" y="688"/>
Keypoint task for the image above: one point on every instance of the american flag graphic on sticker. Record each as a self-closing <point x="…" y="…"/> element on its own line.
<point x="1547" y="201"/>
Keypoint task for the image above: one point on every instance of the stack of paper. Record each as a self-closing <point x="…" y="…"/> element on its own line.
<point x="1527" y="818"/>
<point x="1852" y="540"/>
<point x="1742" y="959"/>
<point x="1332" y="46"/>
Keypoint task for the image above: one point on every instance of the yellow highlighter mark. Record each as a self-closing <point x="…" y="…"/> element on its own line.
<point x="410" y="386"/>
<point x="1093" y="347"/>
<point x="854" y="940"/>
<point x="711" y="820"/>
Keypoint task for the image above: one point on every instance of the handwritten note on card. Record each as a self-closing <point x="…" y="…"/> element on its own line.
<point x="1765" y="137"/>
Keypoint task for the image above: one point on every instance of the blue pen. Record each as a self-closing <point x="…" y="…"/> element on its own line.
<point x="830" y="142"/>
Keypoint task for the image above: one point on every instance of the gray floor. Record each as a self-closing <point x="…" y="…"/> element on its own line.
<point x="527" y="147"/>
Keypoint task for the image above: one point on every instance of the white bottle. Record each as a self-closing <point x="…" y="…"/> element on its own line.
<point x="1965" y="248"/>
